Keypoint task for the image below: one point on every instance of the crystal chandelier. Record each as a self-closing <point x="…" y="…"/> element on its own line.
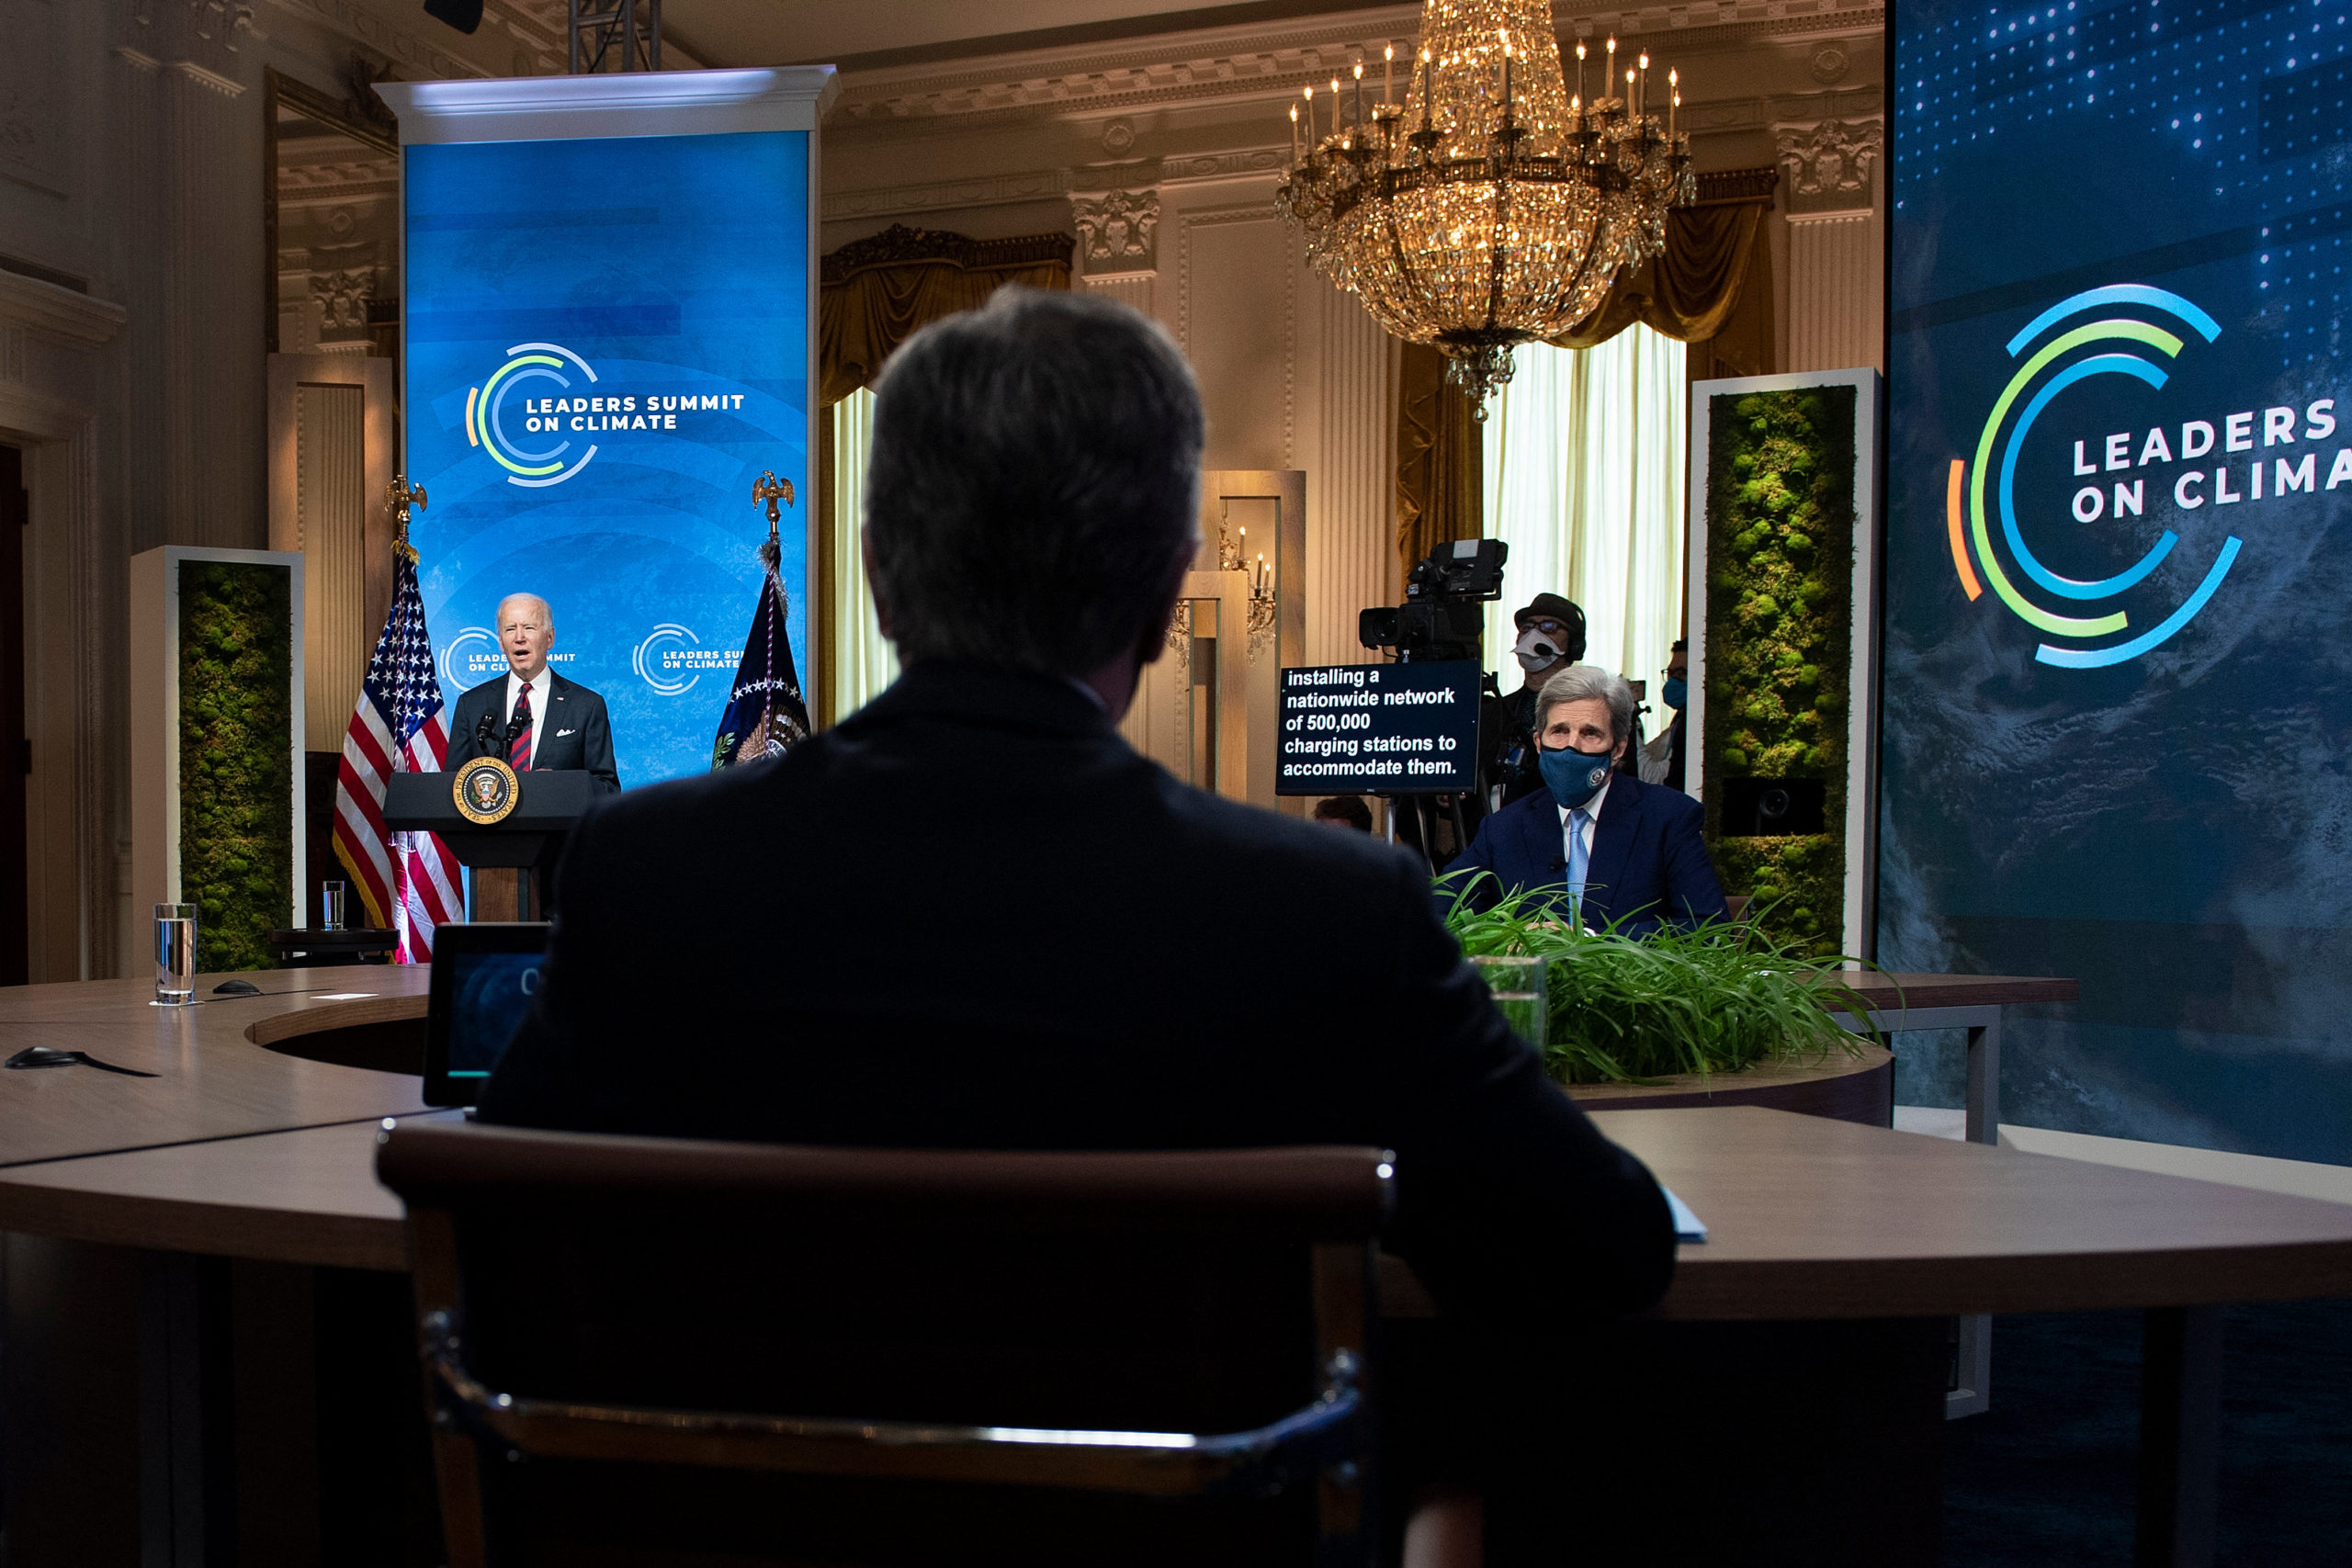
<point x="1493" y="206"/>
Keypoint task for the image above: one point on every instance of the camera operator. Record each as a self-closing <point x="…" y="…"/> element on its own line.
<point x="1551" y="638"/>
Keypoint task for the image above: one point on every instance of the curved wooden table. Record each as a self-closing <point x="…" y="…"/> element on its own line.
<point x="250" y="1144"/>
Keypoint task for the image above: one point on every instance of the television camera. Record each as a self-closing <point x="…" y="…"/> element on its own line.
<point x="1440" y="617"/>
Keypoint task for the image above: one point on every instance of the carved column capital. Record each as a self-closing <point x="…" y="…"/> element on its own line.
<point x="1118" y="231"/>
<point x="1830" y="166"/>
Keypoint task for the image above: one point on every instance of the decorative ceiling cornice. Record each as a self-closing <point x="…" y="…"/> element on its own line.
<point x="1267" y="62"/>
<point x="1724" y="117"/>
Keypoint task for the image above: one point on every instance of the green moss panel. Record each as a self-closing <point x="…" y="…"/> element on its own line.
<point x="1780" y="640"/>
<point x="236" y="723"/>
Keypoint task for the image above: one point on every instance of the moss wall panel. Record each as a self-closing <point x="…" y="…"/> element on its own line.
<point x="236" y="718"/>
<point x="1780" y="598"/>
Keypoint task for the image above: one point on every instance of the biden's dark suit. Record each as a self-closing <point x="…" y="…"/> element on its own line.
<point x="971" y="916"/>
<point x="576" y="732"/>
<point x="1648" y="868"/>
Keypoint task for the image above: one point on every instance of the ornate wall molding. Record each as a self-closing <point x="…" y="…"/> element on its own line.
<point x="1038" y="184"/>
<point x="343" y="294"/>
<point x="203" y="78"/>
<point x="1118" y="231"/>
<point x="1224" y="165"/>
<point x="58" y="313"/>
<point x="1716" y="117"/>
<point x="1831" y="167"/>
<point x="1264" y="61"/>
<point x="1189" y="223"/>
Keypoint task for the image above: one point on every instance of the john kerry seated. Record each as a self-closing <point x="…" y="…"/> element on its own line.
<point x="1614" y="850"/>
<point x="563" y="723"/>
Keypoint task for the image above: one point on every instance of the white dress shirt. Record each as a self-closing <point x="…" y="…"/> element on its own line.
<point x="1591" y="808"/>
<point x="541" y="696"/>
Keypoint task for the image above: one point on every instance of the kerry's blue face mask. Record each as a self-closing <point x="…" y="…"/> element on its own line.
<point x="1574" y="776"/>
<point x="1676" y="693"/>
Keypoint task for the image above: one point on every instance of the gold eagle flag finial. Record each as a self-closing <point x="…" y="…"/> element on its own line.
<point x="399" y="496"/>
<point x="769" y="489"/>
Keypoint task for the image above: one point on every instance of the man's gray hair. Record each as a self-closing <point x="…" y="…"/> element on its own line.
<point x="1578" y="681"/>
<point x="547" y="611"/>
<point x="1032" y="497"/>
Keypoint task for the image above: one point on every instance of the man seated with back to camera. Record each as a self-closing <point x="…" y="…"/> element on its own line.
<point x="736" y="955"/>
<point x="1619" y="852"/>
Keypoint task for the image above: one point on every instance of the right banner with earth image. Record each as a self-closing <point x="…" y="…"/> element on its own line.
<point x="2118" y="632"/>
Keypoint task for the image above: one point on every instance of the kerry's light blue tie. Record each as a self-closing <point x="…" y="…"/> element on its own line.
<point x="1579" y="858"/>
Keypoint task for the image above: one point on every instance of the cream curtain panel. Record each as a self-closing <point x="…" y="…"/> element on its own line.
<point x="1583" y="478"/>
<point x="864" y="661"/>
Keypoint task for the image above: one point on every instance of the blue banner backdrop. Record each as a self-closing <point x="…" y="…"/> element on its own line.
<point x="607" y="342"/>
<point x="2118" y="586"/>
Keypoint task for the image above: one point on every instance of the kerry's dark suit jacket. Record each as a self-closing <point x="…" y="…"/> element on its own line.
<point x="860" y="943"/>
<point x="576" y="733"/>
<point x="1649" y="864"/>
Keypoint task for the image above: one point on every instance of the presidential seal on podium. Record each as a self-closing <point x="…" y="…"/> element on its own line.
<point x="486" y="790"/>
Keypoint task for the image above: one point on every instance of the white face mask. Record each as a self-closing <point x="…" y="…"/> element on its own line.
<point x="1534" y="650"/>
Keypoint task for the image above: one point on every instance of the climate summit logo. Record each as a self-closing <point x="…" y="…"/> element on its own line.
<point x="538" y="460"/>
<point x="2138" y="332"/>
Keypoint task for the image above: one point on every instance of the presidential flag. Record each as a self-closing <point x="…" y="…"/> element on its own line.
<point x="766" y="714"/>
<point x="410" y="881"/>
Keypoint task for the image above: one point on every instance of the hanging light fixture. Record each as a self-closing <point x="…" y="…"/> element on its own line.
<point x="1494" y="205"/>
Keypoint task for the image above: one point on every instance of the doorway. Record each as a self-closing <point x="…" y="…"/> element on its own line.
<point x="16" y="751"/>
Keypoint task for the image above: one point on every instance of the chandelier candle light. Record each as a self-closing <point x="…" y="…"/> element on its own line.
<point x="1506" y="210"/>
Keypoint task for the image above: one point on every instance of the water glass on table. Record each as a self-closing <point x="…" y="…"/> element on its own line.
<point x="175" y="954"/>
<point x="1521" y="996"/>
<point x="333" y="902"/>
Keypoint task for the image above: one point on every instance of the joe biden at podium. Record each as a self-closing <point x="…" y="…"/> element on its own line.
<point x="532" y="716"/>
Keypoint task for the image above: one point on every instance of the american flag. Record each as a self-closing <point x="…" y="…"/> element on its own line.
<point x="409" y="881"/>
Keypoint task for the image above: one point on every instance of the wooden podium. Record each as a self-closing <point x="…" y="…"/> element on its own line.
<point x="510" y="859"/>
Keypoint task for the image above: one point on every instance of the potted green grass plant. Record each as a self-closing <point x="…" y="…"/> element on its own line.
<point x="1720" y="999"/>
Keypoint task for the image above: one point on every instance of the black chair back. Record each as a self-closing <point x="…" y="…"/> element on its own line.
<point x="650" y="1350"/>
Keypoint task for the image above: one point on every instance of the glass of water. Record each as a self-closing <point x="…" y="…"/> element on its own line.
<point x="175" y="954"/>
<point x="332" y="896"/>
<point x="1518" y="987"/>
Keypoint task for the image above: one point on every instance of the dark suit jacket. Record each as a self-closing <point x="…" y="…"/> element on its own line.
<point x="1649" y="864"/>
<point x="859" y="944"/>
<point x="576" y="734"/>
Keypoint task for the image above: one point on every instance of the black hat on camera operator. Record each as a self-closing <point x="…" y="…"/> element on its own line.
<point x="1558" y="621"/>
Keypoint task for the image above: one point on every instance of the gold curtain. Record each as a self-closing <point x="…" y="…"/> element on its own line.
<point x="1441" y="457"/>
<point x="1744" y="343"/>
<point x="1712" y="288"/>
<point x="874" y="292"/>
<point x="1694" y="289"/>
